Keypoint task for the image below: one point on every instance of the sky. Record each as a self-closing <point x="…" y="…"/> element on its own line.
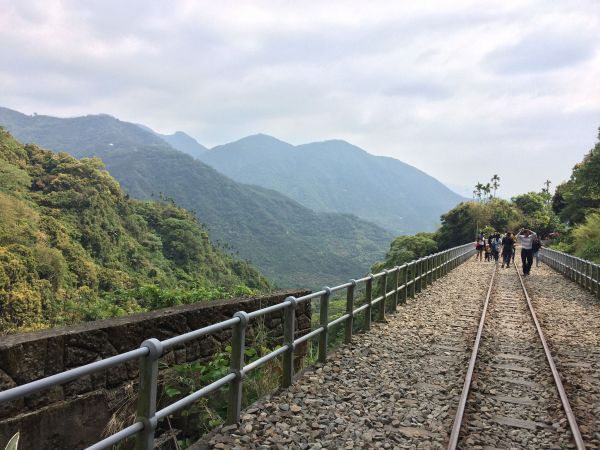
<point x="460" y="89"/>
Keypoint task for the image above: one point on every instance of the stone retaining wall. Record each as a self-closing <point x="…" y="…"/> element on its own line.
<point x="75" y="414"/>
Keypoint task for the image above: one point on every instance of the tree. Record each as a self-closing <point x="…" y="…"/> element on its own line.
<point x="478" y="191"/>
<point x="495" y="183"/>
<point x="538" y="214"/>
<point x="546" y="191"/>
<point x="586" y="238"/>
<point x="487" y="189"/>
<point x="580" y="195"/>
<point x="459" y="225"/>
<point x="406" y="248"/>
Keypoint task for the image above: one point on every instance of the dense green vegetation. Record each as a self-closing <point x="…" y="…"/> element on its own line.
<point x="573" y="213"/>
<point x="336" y="176"/>
<point x="577" y="202"/>
<point x="291" y="244"/>
<point x="73" y="246"/>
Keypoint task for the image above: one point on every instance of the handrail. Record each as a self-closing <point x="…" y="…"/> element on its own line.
<point x="583" y="272"/>
<point x="405" y="281"/>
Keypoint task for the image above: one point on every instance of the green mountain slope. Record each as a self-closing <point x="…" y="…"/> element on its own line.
<point x="336" y="176"/>
<point x="184" y="143"/>
<point x="291" y="244"/>
<point x="69" y="236"/>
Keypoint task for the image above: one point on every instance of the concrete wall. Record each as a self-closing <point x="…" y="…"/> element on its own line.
<point x="75" y="414"/>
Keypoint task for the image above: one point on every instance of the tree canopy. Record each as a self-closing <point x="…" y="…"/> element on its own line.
<point x="74" y="246"/>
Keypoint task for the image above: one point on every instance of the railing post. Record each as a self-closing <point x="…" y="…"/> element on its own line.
<point x="404" y="280"/>
<point x="598" y="281"/>
<point x="417" y="280"/>
<point x="238" y="346"/>
<point x="369" y="298"/>
<point x="350" y="311"/>
<point x="381" y="311"/>
<point x="425" y="278"/>
<point x="289" y="329"/>
<point x="446" y="258"/>
<point x="323" y="322"/>
<point x="432" y="268"/>
<point x="419" y="271"/>
<point x="413" y="284"/>
<point x="146" y="405"/>
<point x="396" y="293"/>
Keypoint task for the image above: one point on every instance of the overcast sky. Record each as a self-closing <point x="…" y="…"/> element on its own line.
<point x="459" y="89"/>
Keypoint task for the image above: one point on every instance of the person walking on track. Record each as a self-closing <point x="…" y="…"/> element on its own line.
<point x="536" y="246"/>
<point x="526" y="237"/>
<point x="480" y="246"/>
<point x="508" y="243"/>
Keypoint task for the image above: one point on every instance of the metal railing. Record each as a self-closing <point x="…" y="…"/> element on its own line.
<point x="583" y="272"/>
<point x="406" y="281"/>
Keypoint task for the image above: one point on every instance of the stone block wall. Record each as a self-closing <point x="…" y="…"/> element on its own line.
<point x="74" y="415"/>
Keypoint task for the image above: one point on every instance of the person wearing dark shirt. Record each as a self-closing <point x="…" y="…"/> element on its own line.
<point x="508" y="243"/>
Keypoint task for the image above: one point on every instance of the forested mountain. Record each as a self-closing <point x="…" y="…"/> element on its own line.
<point x="184" y="143"/>
<point x="70" y="237"/>
<point x="337" y="176"/>
<point x="291" y="244"/>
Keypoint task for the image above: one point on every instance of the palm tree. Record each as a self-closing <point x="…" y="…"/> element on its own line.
<point x="487" y="188"/>
<point x="478" y="190"/>
<point x="546" y="190"/>
<point x="495" y="183"/>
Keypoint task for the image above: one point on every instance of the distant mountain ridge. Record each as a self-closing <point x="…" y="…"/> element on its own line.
<point x="337" y="176"/>
<point x="291" y="244"/>
<point x="184" y="143"/>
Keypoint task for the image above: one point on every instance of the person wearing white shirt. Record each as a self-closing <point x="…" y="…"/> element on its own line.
<point x="526" y="237"/>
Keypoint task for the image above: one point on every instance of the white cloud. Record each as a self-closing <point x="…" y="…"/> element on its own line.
<point x="461" y="90"/>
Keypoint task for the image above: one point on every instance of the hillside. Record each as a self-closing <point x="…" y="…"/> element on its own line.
<point x="70" y="236"/>
<point x="336" y="176"/>
<point x="291" y="244"/>
<point x="184" y="143"/>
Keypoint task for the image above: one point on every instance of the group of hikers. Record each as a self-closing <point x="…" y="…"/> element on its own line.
<point x="493" y="246"/>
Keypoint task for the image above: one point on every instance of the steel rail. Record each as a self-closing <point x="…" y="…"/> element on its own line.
<point x="458" y="418"/>
<point x="559" y="386"/>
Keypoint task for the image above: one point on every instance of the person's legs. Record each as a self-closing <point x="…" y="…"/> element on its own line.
<point x="507" y="257"/>
<point x="524" y="260"/>
<point x="528" y="261"/>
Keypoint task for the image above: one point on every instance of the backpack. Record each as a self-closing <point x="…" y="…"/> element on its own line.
<point x="536" y="244"/>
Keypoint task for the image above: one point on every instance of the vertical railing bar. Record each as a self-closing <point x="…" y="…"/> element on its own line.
<point x="238" y="347"/>
<point x="323" y="322"/>
<point x="369" y="299"/>
<point x="289" y="331"/>
<point x="381" y="311"/>
<point x="349" y="310"/>
<point x="147" y="390"/>
<point x="396" y="293"/>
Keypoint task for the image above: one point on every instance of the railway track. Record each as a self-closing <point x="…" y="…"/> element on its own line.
<point x="512" y="395"/>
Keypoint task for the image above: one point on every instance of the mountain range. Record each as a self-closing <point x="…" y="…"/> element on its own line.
<point x="336" y="176"/>
<point x="290" y="243"/>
